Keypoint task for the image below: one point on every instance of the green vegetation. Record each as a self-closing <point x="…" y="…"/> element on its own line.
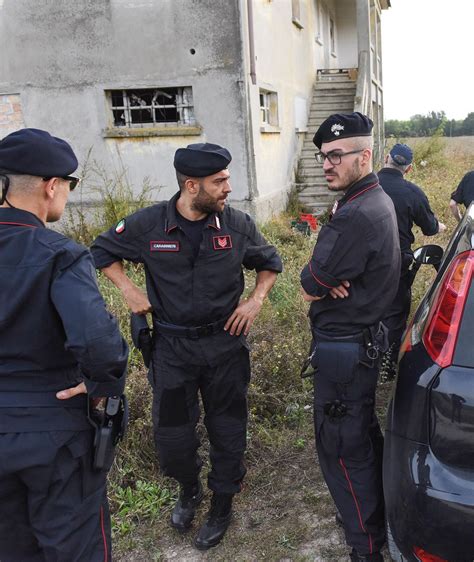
<point x="285" y="511"/>
<point x="429" y="124"/>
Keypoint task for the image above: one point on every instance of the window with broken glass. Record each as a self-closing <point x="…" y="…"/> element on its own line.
<point x="152" y="107"/>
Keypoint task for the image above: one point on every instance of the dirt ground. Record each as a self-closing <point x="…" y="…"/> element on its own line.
<point x="284" y="513"/>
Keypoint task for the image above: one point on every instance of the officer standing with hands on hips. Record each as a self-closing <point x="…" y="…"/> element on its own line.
<point x="193" y="248"/>
<point x="59" y="347"/>
<point x="411" y="206"/>
<point x="350" y="282"/>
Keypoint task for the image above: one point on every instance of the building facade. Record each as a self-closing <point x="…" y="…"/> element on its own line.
<point x="127" y="82"/>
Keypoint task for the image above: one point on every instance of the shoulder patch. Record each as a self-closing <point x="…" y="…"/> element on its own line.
<point x="120" y="226"/>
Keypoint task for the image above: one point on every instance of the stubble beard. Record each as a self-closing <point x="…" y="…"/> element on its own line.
<point x="205" y="203"/>
<point x="350" y="178"/>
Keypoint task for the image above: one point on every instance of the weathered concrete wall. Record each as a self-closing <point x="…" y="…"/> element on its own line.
<point x="61" y="56"/>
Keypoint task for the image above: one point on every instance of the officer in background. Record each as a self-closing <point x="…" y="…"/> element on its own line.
<point x="464" y="194"/>
<point x="58" y="347"/>
<point x="412" y="207"/>
<point x="193" y="248"/>
<point x="350" y="282"/>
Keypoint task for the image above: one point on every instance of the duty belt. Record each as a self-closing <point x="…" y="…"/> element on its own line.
<point x="190" y="332"/>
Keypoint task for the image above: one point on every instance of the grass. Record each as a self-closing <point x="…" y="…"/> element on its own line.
<point x="285" y="511"/>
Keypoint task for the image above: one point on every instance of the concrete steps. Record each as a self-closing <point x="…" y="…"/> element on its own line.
<point x="333" y="92"/>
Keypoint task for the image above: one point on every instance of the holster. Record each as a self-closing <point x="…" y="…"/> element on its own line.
<point x="110" y="427"/>
<point x="141" y="336"/>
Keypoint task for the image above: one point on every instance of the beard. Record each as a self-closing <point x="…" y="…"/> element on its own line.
<point x="205" y="203"/>
<point x="342" y="183"/>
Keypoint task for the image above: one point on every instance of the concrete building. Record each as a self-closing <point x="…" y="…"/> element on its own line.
<point x="133" y="80"/>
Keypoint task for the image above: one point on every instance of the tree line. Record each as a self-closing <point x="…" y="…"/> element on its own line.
<point x="434" y="122"/>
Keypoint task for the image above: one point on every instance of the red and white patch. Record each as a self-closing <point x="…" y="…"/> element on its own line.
<point x="164" y="245"/>
<point x="222" y="242"/>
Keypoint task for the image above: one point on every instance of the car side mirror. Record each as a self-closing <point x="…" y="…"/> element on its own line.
<point x="431" y="254"/>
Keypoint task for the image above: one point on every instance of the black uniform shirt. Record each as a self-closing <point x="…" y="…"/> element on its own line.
<point x="54" y="328"/>
<point x="185" y="290"/>
<point x="359" y="244"/>
<point x="465" y="192"/>
<point x="411" y="206"/>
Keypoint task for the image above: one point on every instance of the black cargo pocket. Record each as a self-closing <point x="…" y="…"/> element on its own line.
<point x="336" y="361"/>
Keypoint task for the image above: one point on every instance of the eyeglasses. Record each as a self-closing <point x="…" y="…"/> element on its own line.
<point x="333" y="157"/>
<point x="73" y="182"/>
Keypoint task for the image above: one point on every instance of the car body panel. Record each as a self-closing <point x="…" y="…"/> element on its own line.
<point x="429" y="445"/>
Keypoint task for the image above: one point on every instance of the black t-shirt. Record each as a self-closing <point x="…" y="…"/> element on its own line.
<point x="192" y="230"/>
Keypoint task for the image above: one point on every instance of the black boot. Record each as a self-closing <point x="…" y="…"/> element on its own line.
<point x="218" y="519"/>
<point x="374" y="557"/>
<point x="183" y="513"/>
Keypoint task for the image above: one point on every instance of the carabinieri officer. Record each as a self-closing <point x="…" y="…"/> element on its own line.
<point x="57" y="343"/>
<point x="351" y="281"/>
<point x="193" y="248"/>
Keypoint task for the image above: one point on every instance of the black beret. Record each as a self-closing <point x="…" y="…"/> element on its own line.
<point x="343" y="126"/>
<point x="201" y="159"/>
<point x="36" y="153"/>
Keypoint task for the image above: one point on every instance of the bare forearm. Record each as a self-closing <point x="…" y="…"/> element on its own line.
<point x="263" y="284"/>
<point x="455" y="210"/>
<point x="136" y="299"/>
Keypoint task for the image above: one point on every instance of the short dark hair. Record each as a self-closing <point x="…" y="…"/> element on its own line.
<point x="181" y="179"/>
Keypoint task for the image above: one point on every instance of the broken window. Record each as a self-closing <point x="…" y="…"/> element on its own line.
<point x="268" y="108"/>
<point x="152" y="107"/>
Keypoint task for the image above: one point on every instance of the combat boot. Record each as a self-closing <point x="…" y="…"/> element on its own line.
<point x="190" y="496"/>
<point x="374" y="557"/>
<point x="217" y="521"/>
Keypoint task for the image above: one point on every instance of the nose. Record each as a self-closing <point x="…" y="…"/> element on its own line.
<point x="227" y="187"/>
<point x="327" y="165"/>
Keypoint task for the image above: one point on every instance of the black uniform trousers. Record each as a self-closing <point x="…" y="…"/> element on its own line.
<point x="397" y="315"/>
<point x="349" y="441"/>
<point x="53" y="507"/>
<point x="176" y="411"/>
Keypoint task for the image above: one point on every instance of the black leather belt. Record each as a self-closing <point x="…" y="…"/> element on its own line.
<point x="190" y="332"/>
<point x="357" y="337"/>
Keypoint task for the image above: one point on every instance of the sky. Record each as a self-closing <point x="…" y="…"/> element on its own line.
<point x="428" y="58"/>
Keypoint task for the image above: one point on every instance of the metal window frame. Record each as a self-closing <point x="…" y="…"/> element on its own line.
<point x="183" y="105"/>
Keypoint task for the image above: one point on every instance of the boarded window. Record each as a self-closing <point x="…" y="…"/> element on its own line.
<point x="152" y="107"/>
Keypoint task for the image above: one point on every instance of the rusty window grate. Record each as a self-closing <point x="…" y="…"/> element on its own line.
<point x="152" y="107"/>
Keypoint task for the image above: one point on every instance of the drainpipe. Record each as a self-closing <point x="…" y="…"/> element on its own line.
<point x="253" y="73"/>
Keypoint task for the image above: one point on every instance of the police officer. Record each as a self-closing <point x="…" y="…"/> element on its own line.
<point x="193" y="248"/>
<point x="464" y="194"/>
<point x="412" y="207"/>
<point x="57" y="343"/>
<point x="350" y="282"/>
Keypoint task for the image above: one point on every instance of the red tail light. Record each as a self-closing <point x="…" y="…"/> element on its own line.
<point x="442" y="325"/>
<point x="424" y="556"/>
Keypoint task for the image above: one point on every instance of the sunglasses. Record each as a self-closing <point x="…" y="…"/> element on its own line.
<point x="73" y="182"/>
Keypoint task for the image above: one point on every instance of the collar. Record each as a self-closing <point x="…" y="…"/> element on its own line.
<point x="19" y="217"/>
<point x="213" y="220"/>
<point x="367" y="183"/>
<point x="391" y="171"/>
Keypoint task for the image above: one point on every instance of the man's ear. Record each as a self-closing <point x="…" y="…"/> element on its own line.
<point x="192" y="186"/>
<point x="50" y="187"/>
<point x="366" y="155"/>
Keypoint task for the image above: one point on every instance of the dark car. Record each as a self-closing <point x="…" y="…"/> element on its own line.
<point x="429" y="444"/>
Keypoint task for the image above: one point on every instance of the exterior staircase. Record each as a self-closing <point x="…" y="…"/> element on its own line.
<point x="334" y="92"/>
